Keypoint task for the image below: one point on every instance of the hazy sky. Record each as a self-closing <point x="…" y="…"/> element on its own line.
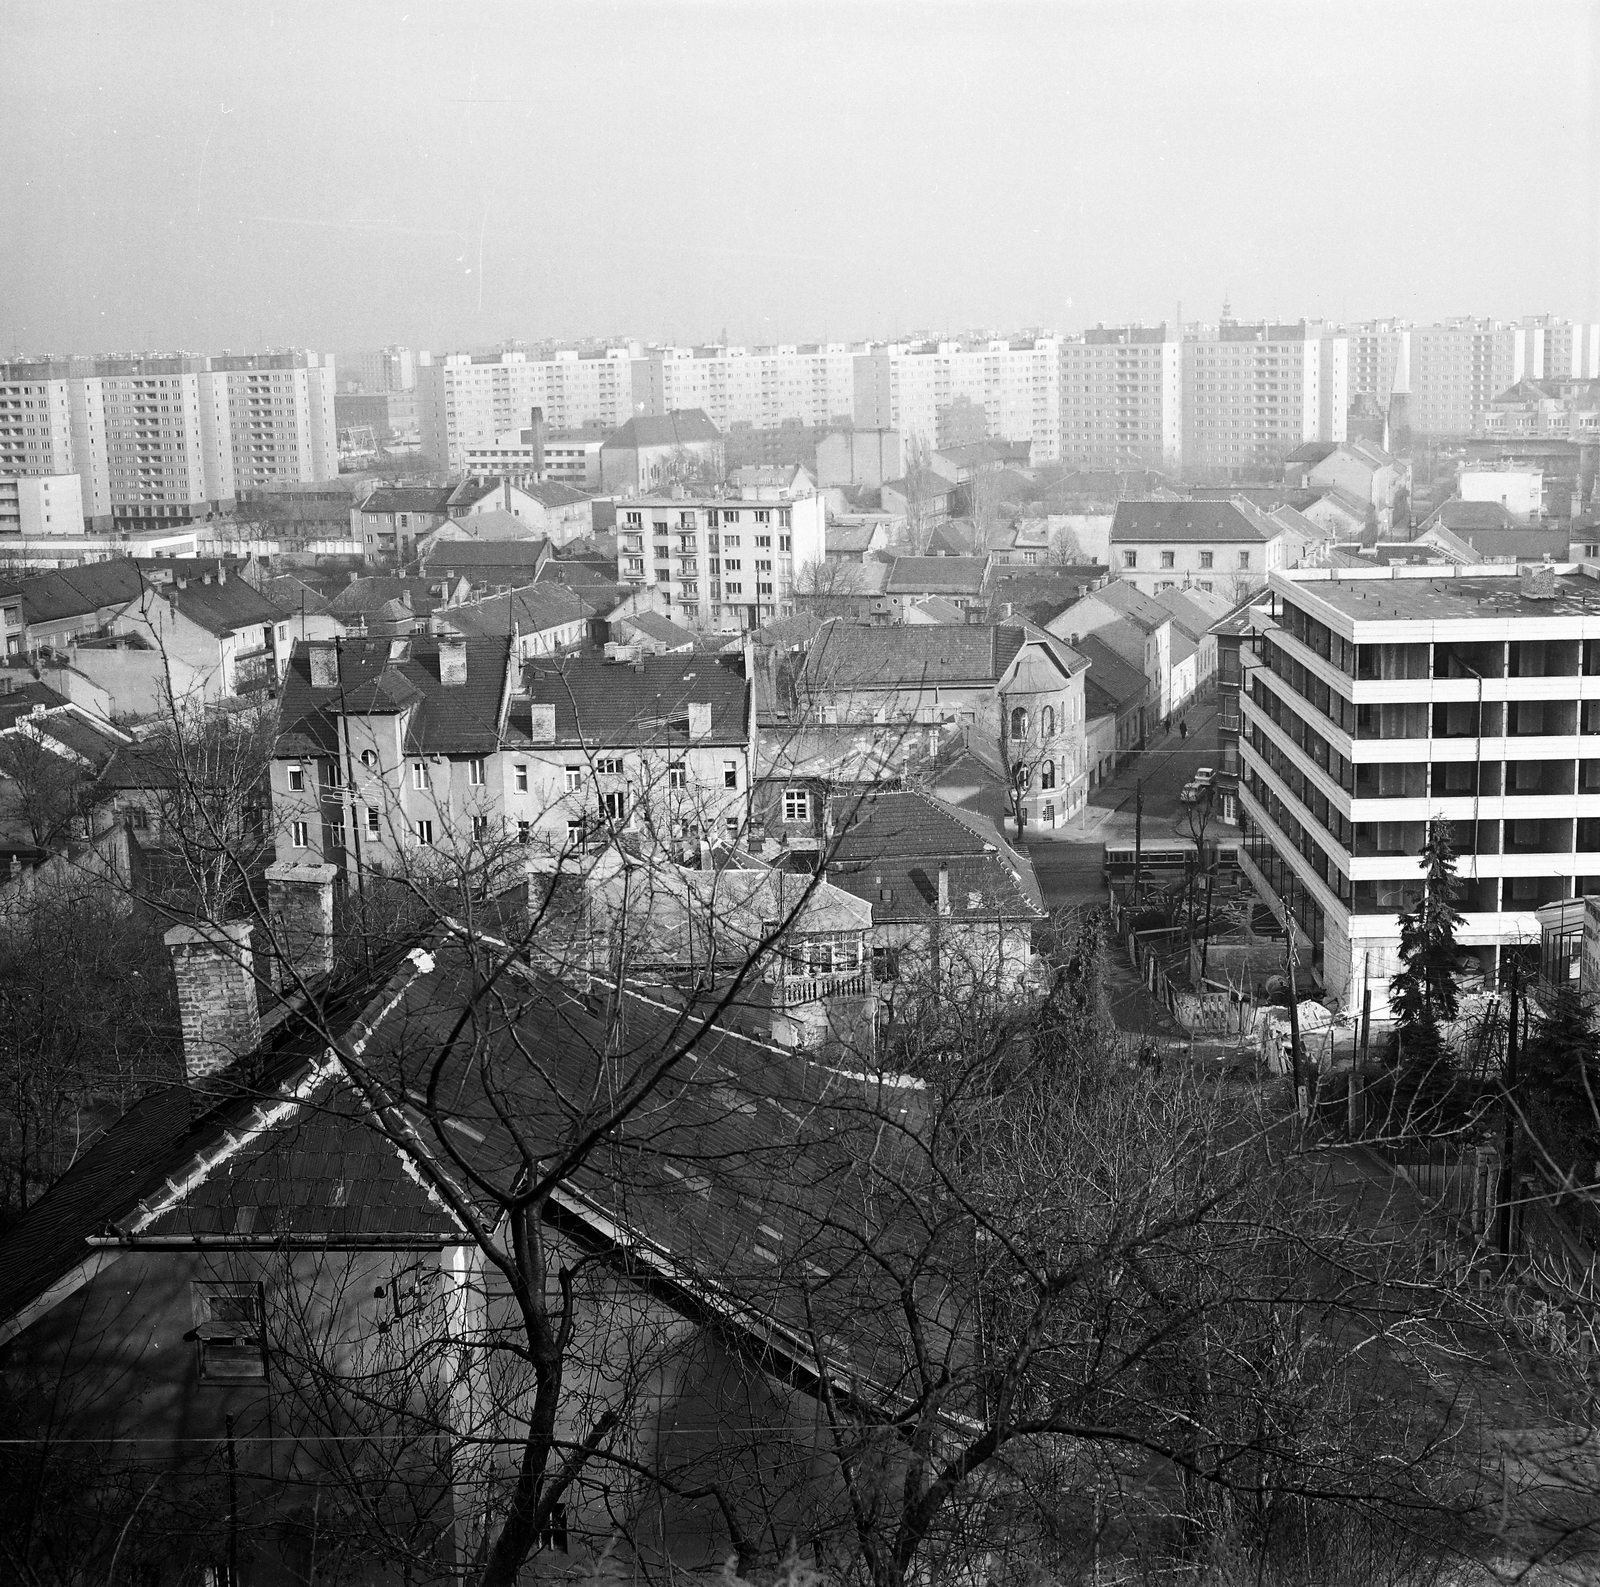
<point x="339" y="174"/>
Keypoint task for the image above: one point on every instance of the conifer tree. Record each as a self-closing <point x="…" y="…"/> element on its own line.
<point x="1558" y="1088"/>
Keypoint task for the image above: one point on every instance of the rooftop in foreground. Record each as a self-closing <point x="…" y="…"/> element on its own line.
<point x="1447" y="595"/>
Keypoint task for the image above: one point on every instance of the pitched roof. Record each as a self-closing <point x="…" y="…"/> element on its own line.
<point x="223" y="608"/>
<point x="889" y="849"/>
<point x="467" y="556"/>
<point x="1193" y="611"/>
<point x="848" y="656"/>
<point x="365" y="596"/>
<point x="553" y="493"/>
<point x="1312" y="452"/>
<point x="294" y="595"/>
<point x="75" y="592"/>
<point x="635" y="704"/>
<point x="936" y="609"/>
<point x="23" y="694"/>
<point x="937" y="575"/>
<point x="409" y="498"/>
<point x="1125" y="684"/>
<point x="681" y="427"/>
<point x="658" y="629"/>
<point x="1184" y="522"/>
<point x="497" y="524"/>
<point x="1462" y="515"/>
<point x="1144" y="611"/>
<point x="386" y="676"/>
<point x="531" y="610"/>
<point x="1525" y="544"/>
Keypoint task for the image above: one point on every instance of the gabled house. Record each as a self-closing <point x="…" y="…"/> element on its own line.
<point x="961" y="580"/>
<point x="1137" y="626"/>
<point x="1193" y="614"/>
<point x="1362" y="468"/>
<point x="953" y="904"/>
<point x="1229" y="546"/>
<point x="490" y="567"/>
<point x="540" y="620"/>
<point x="378" y="603"/>
<point x="391" y="519"/>
<point x="653" y="452"/>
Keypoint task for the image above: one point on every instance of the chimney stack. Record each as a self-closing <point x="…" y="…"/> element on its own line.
<point x="300" y="906"/>
<point x="536" y="435"/>
<point x="324" y="667"/>
<point x="217" y="1007"/>
<point x="452" y="660"/>
<point x="944" y="888"/>
<point x="699" y="719"/>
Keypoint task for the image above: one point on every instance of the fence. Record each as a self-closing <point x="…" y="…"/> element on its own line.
<point x="1201" y="1013"/>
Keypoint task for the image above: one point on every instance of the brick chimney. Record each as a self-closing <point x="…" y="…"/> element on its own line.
<point x="324" y="667"/>
<point x="699" y="720"/>
<point x="300" y="906"/>
<point x="944" y="888"/>
<point x="536" y="437"/>
<point x="452" y="660"/>
<point x="217" y="1004"/>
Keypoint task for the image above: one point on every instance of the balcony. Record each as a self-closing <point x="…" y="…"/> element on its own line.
<point x="793" y="990"/>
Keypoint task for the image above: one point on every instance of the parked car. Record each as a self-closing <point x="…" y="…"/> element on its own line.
<point x="1204" y="777"/>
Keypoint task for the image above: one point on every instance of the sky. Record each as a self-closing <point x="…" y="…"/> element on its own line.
<point x="336" y="176"/>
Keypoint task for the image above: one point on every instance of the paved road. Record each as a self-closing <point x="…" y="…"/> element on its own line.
<point x="1069" y="863"/>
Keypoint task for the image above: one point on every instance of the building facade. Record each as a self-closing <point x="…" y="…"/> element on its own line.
<point x="1122" y="398"/>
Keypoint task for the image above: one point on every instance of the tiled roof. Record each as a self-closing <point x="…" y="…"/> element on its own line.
<point x="937" y="575"/>
<point x="382" y="676"/>
<point x="361" y="596"/>
<point x="620" y="703"/>
<point x="1464" y="515"/>
<point x="937" y="609"/>
<point x="1312" y="452"/>
<point x="497" y="524"/>
<point x="893" y="844"/>
<point x="1183" y="522"/>
<point x="1125" y="684"/>
<point x="552" y="493"/>
<point x="579" y="575"/>
<point x="678" y="428"/>
<point x="662" y="630"/>
<point x="25" y="693"/>
<point x="530" y="611"/>
<point x="223" y="608"/>
<point x="1193" y="611"/>
<point x="1526" y="544"/>
<point x="846" y="656"/>
<point x="294" y="595"/>
<point x="76" y="592"/>
<point x="409" y="498"/>
<point x="1143" y="611"/>
<point x="467" y="556"/>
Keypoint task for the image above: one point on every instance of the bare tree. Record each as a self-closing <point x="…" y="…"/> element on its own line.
<point x="919" y="485"/>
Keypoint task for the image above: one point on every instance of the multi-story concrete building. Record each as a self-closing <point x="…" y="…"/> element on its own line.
<point x="726" y="562"/>
<point x="916" y="388"/>
<point x="387" y="369"/>
<point x="41" y="504"/>
<point x="281" y="416"/>
<point x="765" y="387"/>
<point x="1557" y="349"/>
<point x="1546" y="410"/>
<point x="1374" y="706"/>
<point x="1252" y="393"/>
<point x="1122" y="398"/>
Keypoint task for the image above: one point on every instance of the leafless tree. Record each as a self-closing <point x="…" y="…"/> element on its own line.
<point x="919" y="485"/>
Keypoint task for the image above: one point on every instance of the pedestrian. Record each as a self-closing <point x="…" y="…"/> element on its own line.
<point x="1183" y="731"/>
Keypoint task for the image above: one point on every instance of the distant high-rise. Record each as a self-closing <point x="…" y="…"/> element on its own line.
<point x="1122" y="398"/>
<point x="387" y="369"/>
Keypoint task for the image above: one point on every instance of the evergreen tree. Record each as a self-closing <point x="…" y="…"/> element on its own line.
<point x="1558" y="1087"/>
<point x="1423" y="992"/>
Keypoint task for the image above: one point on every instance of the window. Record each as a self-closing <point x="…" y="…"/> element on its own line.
<point x="1047" y="722"/>
<point x="1047" y="775"/>
<point x="575" y="830"/>
<point x="730" y="774"/>
<point x="297" y="778"/>
<point x="732" y="824"/>
<point x="300" y="835"/>
<point x="608" y="765"/>
<point x="1206" y="558"/>
<point x="419" y="774"/>
<point x="574" y="776"/>
<point x="372" y="822"/>
<point x="228" y="1331"/>
<point x="1019" y="722"/>
<point x="283" y="631"/>
<point x="480" y="828"/>
<point x="368" y="760"/>
<point x="1244" y="559"/>
<point x="796" y="804"/>
<point x="1168" y="559"/>
<point x="1130" y="559"/>
<point x="1206" y="585"/>
<point x="677" y="774"/>
<point x="332" y="774"/>
<point x="475" y="772"/>
<point x="524" y="831"/>
<point x="613" y="805"/>
<point x="424" y="833"/>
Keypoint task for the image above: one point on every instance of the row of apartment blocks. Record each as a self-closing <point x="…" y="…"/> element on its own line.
<point x="1227" y="397"/>
<point x="168" y="439"/>
<point x="1374" y="702"/>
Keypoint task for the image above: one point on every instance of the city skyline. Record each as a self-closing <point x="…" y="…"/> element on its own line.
<point x="374" y="177"/>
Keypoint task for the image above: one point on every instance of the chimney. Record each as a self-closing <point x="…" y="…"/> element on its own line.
<point x="222" y="574"/>
<point x="536" y="435"/>
<point x="216" y="997"/>
<point x="944" y="888"/>
<point x="452" y="660"/>
<point x="542" y="723"/>
<point x="300" y="907"/>
<point x="699" y="720"/>
<point x="1539" y="584"/>
<point x="324" y="667"/>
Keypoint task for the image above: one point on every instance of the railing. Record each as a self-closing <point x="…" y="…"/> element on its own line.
<point x="795" y="989"/>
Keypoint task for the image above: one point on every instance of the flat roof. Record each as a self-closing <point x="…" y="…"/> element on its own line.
<point x="1446" y="598"/>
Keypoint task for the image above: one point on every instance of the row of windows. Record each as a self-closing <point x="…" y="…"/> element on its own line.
<point x="331" y="774"/>
<point x="1130" y="559"/>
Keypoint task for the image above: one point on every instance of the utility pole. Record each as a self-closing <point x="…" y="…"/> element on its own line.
<point x="233" y="1509"/>
<point x="1205" y="937"/>
<point x="1294" y="1030"/>
<point x="1138" y="833"/>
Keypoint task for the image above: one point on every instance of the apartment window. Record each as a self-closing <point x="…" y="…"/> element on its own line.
<point x="796" y="804"/>
<point x="608" y="765"/>
<point x="730" y="774"/>
<point x="424" y="833"/>
<point x="574" y="778"/>
<point x="1130" y="559"/>
<point x="229" y="1333"/>
<point x="297" y="778"/>
<point x="138" y="817"/>
<point x="575" y="830"/>
<point x="520" y="778"/>
<point x="1206" y="585"/>
<point x="1244" y="559"/>
<point x="1168" y="559"/>
<point x="480" y="828"/>
<point x="764" y="540"/>
<point x="475" y="772"/>
<point x="1206" y="558"/>
<point x="283" y="631"/>
<point x="524" y="831"/>
<point x="372" y="822"/>
<point x="300" y="835"/>
<point x="419" y="774"/>
<point x="677" y="774"/>
<point x="614" y="805"/>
